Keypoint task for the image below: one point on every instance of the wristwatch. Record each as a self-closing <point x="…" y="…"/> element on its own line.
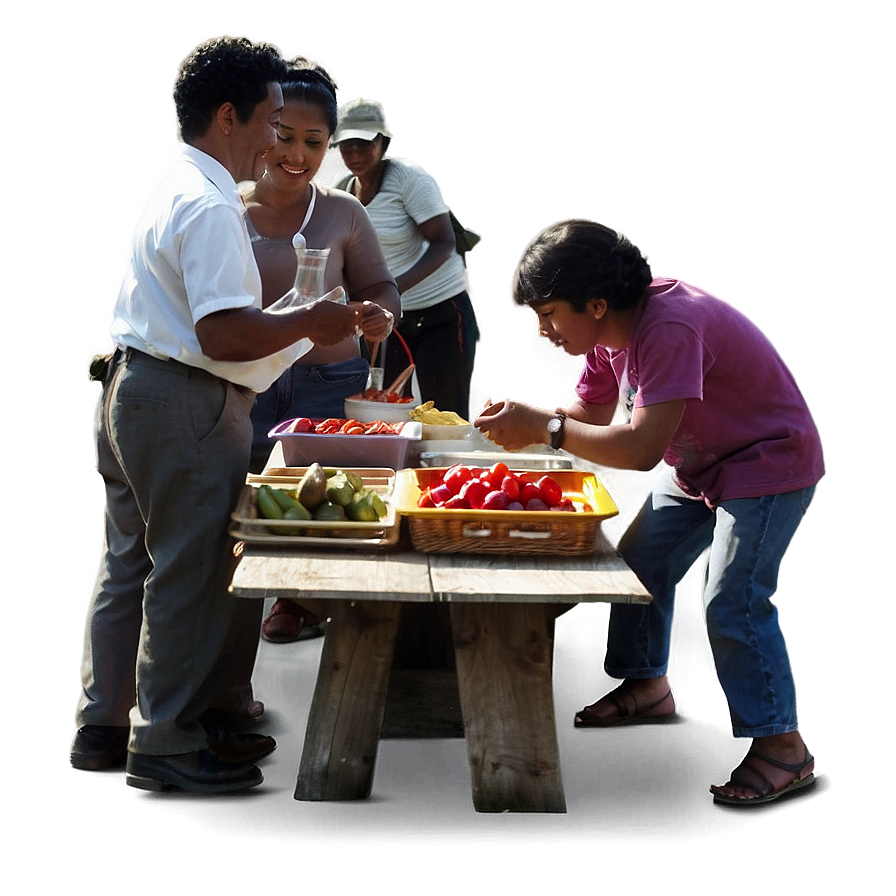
<point x="555" y="428"/>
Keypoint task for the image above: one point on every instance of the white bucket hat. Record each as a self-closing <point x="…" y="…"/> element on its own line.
<point x="360" y="119"/>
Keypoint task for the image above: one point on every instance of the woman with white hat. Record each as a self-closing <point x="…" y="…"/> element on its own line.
<point x="414" y="227"/>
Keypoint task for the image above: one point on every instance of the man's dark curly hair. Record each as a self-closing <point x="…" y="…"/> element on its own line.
<point x="580" y="260"/>
<point x="222" y="70"/>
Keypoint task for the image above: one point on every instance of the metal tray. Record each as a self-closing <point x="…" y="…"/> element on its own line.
<point x="487" y="458"/>
<point x="247" y="527"/>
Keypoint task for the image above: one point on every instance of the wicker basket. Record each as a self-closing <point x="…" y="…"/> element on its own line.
<point x="496" y="536"/>
<point x="439" y="531"/>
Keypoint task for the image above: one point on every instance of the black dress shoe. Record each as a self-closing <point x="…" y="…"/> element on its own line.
<point x="198" y="772"/>
<point x="98" y="747"/>
<point x="233" y="746"/>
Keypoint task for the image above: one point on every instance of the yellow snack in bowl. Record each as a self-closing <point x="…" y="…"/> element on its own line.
<point x="428" y="413"/>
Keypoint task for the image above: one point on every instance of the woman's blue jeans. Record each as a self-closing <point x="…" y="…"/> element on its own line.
<point x="747" y="538"/>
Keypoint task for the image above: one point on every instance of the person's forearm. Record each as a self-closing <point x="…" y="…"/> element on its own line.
<point x="247" y="334"/>
<point x="431" y="260"/>
<point x="612" y="445"/>
<point x="384" y="294"/>
<point x="639" y="445"/>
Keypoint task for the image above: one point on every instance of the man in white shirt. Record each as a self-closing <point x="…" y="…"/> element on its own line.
<point x="174" y="437"/>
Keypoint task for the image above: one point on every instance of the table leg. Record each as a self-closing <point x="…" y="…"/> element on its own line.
<point x="423" y="700"/>
<point x="349" y="701"/>
<point x="504" y="658"/>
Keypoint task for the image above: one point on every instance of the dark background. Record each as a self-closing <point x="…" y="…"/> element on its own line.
<point x="746" y="151"/>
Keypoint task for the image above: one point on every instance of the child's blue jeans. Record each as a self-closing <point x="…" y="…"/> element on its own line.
<point x="747" y="538"/>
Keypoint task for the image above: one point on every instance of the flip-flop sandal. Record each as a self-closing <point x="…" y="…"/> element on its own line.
<point x="766" y="792"/>
<point x="625" y="715"/>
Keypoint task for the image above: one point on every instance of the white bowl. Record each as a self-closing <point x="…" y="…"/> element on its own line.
<point x="364" y="411"/>
<point x="447" y="431"/>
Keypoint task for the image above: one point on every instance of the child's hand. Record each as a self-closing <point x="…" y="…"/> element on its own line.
<point x="514" y="425"/>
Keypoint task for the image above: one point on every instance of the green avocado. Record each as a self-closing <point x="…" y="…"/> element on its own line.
<point x="378" y="505"/>
<point x="340" y="490"/>
<point x="330" y="512"/>
<point x="355" y="479"/>
<point x="361" y="508"/>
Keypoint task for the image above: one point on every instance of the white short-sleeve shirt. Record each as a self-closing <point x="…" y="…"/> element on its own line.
<point x="190" y="257"/>
<point x="408" y="196"/>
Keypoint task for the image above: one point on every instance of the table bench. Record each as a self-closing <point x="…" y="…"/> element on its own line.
<point x="501" y="610"/>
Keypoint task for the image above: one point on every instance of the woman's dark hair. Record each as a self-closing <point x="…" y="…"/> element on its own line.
<point x="307" y="82"/>
<point x="223" y="70"/>
<point x="581" y="260"/>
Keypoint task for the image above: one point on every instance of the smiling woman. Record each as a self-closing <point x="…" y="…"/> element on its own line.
<point x="285" y="201"/>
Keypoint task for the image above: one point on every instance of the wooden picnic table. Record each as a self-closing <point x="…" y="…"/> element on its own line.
<point x="501" y="611"/>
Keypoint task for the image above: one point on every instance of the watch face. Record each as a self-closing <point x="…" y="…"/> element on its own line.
<point x="554" y="424"/>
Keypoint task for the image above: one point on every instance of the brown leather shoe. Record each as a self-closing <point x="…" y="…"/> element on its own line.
<point x="287" y="622"/>
<point x="233" y="746"/>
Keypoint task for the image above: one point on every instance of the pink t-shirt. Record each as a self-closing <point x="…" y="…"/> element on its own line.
<point x="746" y="430"/>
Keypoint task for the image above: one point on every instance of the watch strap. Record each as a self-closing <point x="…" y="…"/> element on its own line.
<point x="557" y="434"/>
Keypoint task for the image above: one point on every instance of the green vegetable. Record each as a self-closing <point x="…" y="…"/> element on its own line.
<point x="378" y="505"/>
<point x="340" y="490"/>
<point x="285" y="500"/>
<point x="297" y="513"/>
<point x="330" y="512"/>
<point x="312" y="487"/>
<point x="355" y="479"/>
<point x="361" y="509"/>
<point x="267" y="504"/>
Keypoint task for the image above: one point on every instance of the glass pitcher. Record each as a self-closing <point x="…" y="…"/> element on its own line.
<point x="311" y="266"/>
<point x="309" y="286"/>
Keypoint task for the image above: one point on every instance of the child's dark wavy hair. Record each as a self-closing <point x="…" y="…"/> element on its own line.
<point x="580" y="260"/>
<point x="307" y="82"/>
<point x="223" y="70"/>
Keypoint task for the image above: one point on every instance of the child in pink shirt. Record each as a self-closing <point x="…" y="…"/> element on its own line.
<point x="701" y="388"/>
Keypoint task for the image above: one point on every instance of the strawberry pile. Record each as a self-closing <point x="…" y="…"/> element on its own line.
<point x="342" y="427"/>
<point x="465" y="487"/>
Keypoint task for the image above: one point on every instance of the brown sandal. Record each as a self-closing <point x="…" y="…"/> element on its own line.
<point x="626" y="714"/>
<point x="802" y="772"/>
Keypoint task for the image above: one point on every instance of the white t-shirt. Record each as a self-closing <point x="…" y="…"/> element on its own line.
<point x="407" y="197"/>
<point x="191" y="257"/>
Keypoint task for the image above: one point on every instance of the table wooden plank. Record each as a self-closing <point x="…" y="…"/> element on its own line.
<point x="504" y="661"/>
<point x="346" y="715"/>
<point x="489" y="578"/>
<point x="332" y="575"/>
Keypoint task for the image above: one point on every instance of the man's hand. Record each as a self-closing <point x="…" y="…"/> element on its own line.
<point x="514" y="425"/>
<point x="329" y="322"/>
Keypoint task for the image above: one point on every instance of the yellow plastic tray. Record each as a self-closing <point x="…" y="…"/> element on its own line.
<point x="439" y="530"/>
<point x="580" y="487"/>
